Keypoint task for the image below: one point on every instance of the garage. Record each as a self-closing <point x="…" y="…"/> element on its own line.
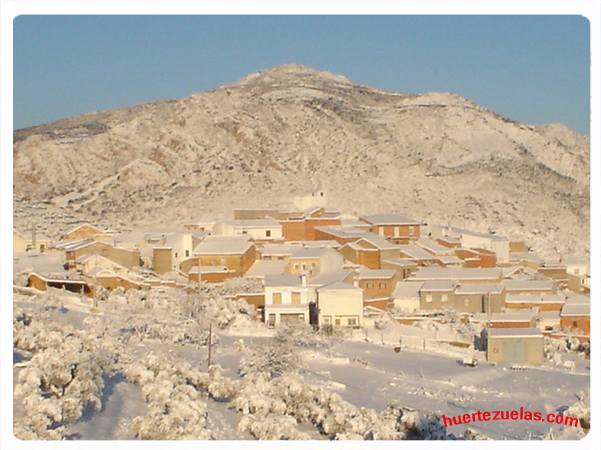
<point x="523" y="346"/>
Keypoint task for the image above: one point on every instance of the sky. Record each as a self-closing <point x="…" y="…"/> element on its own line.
<point x="533" y="69"/>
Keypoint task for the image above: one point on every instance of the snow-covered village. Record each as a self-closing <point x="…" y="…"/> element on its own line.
<point x="302" y="322"/>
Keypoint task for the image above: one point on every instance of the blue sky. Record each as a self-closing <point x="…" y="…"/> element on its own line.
<point x="530" y="68"/>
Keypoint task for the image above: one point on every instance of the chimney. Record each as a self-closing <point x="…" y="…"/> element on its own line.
<point x="303" y="280"/>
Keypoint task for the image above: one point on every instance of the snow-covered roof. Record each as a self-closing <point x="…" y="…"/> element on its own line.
<point x="449" y="259"/>
<point x="575" y="310"/>
<point x="492" y="237"/>
<point x="223" y="245"/>
<point x="578" y="299"/>
<point x="519" y="285"/>
<point x="339" y="286"/>
<point x="389" y="219"/>
<point x="375" y="273"/>
<point x="432" y="246"/>
<point x="378" y="241"/>
<point x="514" y="332"/>
<point x="283" y="280"/>
<point x="306" y="252"/>
<point x="415" y="252"/>
<point x="321" y="243"/>
<point x="535" y="298"/>
<point x="438" y="285"/>
<point x="278" y="249"/>
<point x="401" y="262"/>
<point x="512" y="316"/>
<point x="343" y="232"/>
<point x="407" y="289"/>
<point x="457" y="273"/>
<point x="261" y="268"/>
<point x="329" y="277"/>
<point x="484" y="288"/>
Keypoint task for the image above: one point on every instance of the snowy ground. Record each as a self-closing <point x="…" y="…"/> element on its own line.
<point x="365" y="374"/>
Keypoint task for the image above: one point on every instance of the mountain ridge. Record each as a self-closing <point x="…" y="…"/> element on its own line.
<point x="280" y="132"/>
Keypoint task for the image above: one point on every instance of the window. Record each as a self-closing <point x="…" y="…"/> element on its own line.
<point x="187" y="253"/>
<point x="277" y="298"/>
<point x="244" y="232"/>
<point x="444" y="297"/>
<point x="337" y="321"/>
<point x="575" y="324"/>
<point x="268" y="233"/>
<point x="296" y="297"/>
<point x="369" y="285"/>
<point x="271" y="320"/>
<point x="429" y="298"/>
<point x="382" y="285"/>
<point x="352" y="322"/>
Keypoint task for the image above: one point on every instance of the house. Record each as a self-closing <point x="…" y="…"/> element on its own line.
<point x="437" y="294"/>
<point x="450" y="261"/>
<point x="210" y="274"/>
<point x="88" y="231"/>
<point x="511" y="319"/>
<point x="417" y="254"/>
<point x="369" y="251"/>
<point x="303" y="225"/>
<point x="335" y="276"/>
<point x="287" y="299"/>
<point x="556" y="272"/>
<point x="340" y="305"/>
<point x="261" y="230"/>
<point x="526" y="259"/>
<point x="476" y="257"/>
<point x="263" y="267"/>
<point x="237" y="253"/>
<point x="397" y="228"/>
<point x="487" y="241"/>
<point x="341" y="234"/>
<point x="276" y="251"/>
<point x="578" y="274"/>
<point x="404" y="267"/>
<point x="406" y="296"/>
<point x="36" y="242"/>
<point x="543" y="302"/>
<point x="576" y="318"/>
<point x="75" y="285"/>
<point x="522" y="287"/>
<point x="376" y="283"/>
<point x="204" y="226"/>
<point x="515" y="346"/>
<point x="74" y="250"/>
<point x="311" y="261"/>
<point x="433" y="247"/>
<point x="479" y="297"/>
<point x="170" y="249"/>
<point x="449" y="241"/>
<point x="110" y="280"/>
<point x="459" y="274"/>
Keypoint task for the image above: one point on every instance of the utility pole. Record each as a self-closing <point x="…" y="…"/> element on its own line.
<point x="210" y="343"/>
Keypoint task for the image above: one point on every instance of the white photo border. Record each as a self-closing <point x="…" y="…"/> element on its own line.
<point x="10" y="9"/>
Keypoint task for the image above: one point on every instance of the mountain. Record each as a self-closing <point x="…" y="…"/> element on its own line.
<point x="285" y="131"/>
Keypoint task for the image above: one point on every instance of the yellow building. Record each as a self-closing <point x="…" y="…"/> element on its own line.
<point x="340" y="305"/>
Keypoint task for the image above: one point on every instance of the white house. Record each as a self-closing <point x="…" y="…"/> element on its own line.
<point x="267" y="229"/>
<point x="340" y="305"/>
<point x="287" y="299"/>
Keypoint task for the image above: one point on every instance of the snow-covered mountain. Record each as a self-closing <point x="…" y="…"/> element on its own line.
<point x="287" y="130"/>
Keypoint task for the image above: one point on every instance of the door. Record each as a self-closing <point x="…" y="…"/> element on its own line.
<point x="515" y="352"/>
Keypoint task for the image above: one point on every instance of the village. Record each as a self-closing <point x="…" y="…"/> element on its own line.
<point x="335" y="272"/>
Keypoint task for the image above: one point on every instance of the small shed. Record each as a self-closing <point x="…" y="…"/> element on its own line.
<point x="515" y="346"/>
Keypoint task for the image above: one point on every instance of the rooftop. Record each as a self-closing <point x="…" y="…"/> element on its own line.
<point x="575" y="310"/>
<point x="389" y="219"/>
<point x="405" y="289"/>
<point x="485" y="288"/>
<point x="221" y="245"/>
<point x="339" y="286"/>
<point x="438" y="285"/>
<point x="283" y="280"/>
<point x="375" y="273"/>
<point x="457" y="273"/>
<point x="514" y="332"/>
<point x="517" y="285"/>
<point x="415" y="252"/>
